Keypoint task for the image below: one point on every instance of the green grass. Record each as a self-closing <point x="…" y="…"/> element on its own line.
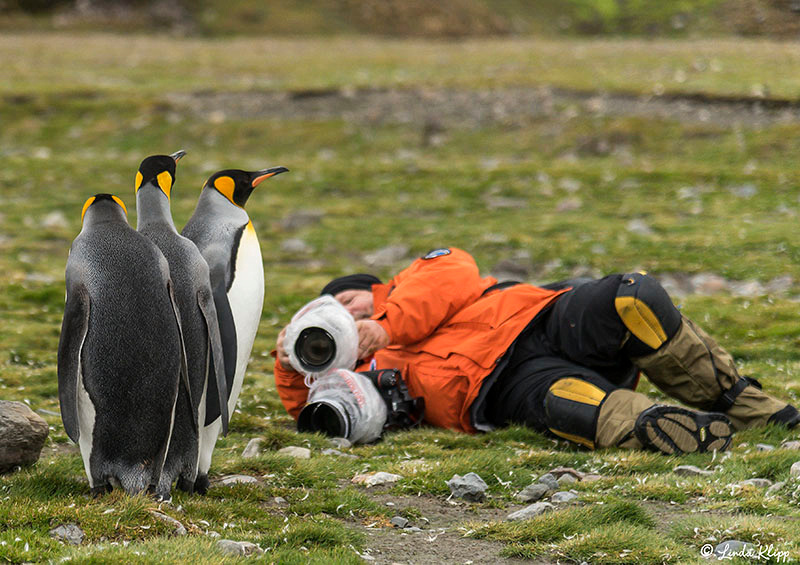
<point x="79" y="112"/>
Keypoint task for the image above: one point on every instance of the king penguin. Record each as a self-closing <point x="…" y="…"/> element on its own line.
<point x="222" y="230"/>
<point x="199" y="324"/>
<point x="120" y="356"/>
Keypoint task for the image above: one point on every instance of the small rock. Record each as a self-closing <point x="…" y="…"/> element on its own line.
<point x="239" y="547"/>
<point x="790" y="444"/>
<point x="69" y="533"/>
<point x="237" y="480"/>
<point x="413" y="529"/>
<point x="795" y="470"/>
<point x="566" y="480"/>
<point x="764" y="447"/>
<point x="337" y="453"/>
<point x="726" y="548"/>
<point x="708" y="283"/>
<point x="22" y="435"/>
<point x="532" y="492"/>
<point x="758" y="483"/>
<point x="398" y="522"/>
<point x="562" y="497"/>
<point x="559" y="472"/>
<point x="252" y="448"/>
<point x="535" y="509"/>
<point x="280" y="500"/>
<point x="213" y="534"/>
<point x="296" y="452"/>
<point x="470" y="487"/>
<point x="180" y="530"/>
<point x="549" y="480"/>
<point x="376" y="479"/>
<point x="691" y="471"/>
<point x="774" y="489"/>
<point x="340" y="442"/>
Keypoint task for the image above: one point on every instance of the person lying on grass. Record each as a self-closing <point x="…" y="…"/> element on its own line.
<point x="561" y="359"/>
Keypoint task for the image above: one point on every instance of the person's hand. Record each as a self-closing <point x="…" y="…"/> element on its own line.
<point x="371" y="338"/>
<point x="283" y="356"/>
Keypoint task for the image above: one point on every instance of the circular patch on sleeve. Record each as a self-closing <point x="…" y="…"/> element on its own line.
<point x="437" y="253"/>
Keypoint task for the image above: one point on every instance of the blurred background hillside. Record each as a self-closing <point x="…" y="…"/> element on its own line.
<point x="415" y="18"/>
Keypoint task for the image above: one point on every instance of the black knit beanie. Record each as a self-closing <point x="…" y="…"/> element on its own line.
<point x="350" y="282"/>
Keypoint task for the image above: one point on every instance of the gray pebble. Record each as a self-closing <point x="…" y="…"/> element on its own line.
<point x="69" y="533"/>
<point x="791" y="444"/>
<point x="758" y="483"/>
<point x="562" y="497"/>
<point x="280" y="500"/>
<point x="691" y="471"/>
<point x="549" y="480"/>
<point x="470" y="487"/>
<point x="337" y="453"/>
<point x="566" y="479"/>
<point x="774" y="489"/>
<point x="340" y="442"/>
<point x="795" y="470"/>
<point x="252" y="448"/>
<point x="398" y="522"/>
<point x="532" y="492"/>
<point x="238" y="479"/>
<point x="731" y="546"/>
<point x="531" y="511"/>
<point x="239" y="547"/>
<point x="296" y="452"/>
<point x="764" y="447"/>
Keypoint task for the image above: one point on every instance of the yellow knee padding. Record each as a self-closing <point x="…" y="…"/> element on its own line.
<point x="640" y="320"/>
<point x="578" y="390"/>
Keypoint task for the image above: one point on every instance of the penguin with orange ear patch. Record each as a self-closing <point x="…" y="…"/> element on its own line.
<point x="120" y="355"/>
<point x="205" y="384"/>
<point x="224" y="234"/>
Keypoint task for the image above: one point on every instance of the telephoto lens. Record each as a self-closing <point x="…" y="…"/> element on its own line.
<point x="322" y="336"/>
<point x="315" y="347"/>
<point x="346" y="404"/>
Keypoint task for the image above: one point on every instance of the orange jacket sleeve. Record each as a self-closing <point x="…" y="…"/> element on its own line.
<point x="291" y="388"/>
<point x="428" y="293"/>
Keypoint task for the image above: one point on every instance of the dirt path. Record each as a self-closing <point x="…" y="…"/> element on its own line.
<point x="476" y="108"/>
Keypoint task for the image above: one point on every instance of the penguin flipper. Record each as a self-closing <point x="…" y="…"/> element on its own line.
<point x="216" y="369"/>
<point x="184" y="377"/>
<point x="227" y="331"/>
<point x="73" y="333"/>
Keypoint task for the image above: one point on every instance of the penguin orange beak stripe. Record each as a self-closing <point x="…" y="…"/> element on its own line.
<point x="266" y="174"/>
<point x="178" y="154"/>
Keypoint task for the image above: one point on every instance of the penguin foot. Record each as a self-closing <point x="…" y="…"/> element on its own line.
<point x="99" y="491"/>
<point x="185" y="485"/>
<point x="201" y="484"/>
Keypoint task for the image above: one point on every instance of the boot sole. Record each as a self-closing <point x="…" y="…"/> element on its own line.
<point x="675" y="431"/>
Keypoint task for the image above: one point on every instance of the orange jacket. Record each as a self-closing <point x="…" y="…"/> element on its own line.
<point x="446" y="335"/>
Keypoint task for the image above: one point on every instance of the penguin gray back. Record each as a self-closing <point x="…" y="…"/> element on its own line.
<point x="119" y="356"/>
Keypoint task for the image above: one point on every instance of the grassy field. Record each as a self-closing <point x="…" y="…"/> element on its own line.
<point x="554" y="194"/>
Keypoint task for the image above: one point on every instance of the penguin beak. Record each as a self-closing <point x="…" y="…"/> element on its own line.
<point x="178" y="154"/>
<point x="259" y="176"/>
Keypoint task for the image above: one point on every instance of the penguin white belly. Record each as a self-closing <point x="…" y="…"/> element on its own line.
<point x="86" y="419"/>
<point x="246" y="297"/>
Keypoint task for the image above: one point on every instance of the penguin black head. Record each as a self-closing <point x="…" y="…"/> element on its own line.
<point x="237" y="185"/>
<point x="97" y="198"/>
<point x="160" y="170"/>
